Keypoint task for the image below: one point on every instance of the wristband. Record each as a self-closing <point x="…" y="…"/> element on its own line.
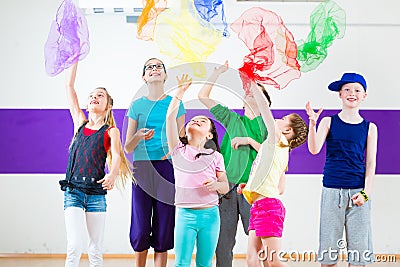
<point x="364" y="195"/>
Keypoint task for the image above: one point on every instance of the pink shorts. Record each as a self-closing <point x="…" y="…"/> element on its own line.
<point x="267" y="216"/>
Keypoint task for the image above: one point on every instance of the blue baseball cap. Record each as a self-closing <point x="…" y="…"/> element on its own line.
<point x="348" y="78"/>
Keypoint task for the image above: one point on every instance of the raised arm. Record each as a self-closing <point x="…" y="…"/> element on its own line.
<point x="78" y="117"/>
<point x="316" y="138"/>
<point x="171" y="122"/>
<point x="266" y="114"/>
<point x="204" y="93"/>
<point x="180" y="121"/>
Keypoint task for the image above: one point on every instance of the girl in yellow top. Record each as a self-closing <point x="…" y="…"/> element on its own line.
<point x="266" y="183"/>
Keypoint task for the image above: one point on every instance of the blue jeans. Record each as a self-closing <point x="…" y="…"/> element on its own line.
<point x="89" y="203"/>
<point x="200" y="226"/>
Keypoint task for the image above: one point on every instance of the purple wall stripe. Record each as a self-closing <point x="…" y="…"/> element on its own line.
<point x="36" y="140"/>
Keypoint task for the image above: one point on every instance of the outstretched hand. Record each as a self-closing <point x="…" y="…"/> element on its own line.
<point x="312" y="116"/>
<point x="222" y="68"/>
<point x="184" y="82"/>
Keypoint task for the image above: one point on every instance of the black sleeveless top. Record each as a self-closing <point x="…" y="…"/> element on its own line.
<point x="345" y="154"/>
<point x="86" y="163"/>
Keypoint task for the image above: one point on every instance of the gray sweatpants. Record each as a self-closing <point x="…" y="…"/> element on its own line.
<point x="337" y="214"/>
<point x="230" y="210"/>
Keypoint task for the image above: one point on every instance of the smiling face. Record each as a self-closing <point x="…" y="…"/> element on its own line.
<point x="98" y="100"/>
<point x="153" y="71"/>
<point x="199" y="125"/>
<point x="352" y="94"/>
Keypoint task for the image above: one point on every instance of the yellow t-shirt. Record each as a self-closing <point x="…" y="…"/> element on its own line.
<point x="271" y="162"/>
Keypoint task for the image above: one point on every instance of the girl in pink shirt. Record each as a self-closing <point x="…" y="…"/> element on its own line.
<point x="199" y="178"/>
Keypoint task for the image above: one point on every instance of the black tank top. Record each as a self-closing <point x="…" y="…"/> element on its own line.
<point x="86" y="162"/>
<point x="345" y="154"/>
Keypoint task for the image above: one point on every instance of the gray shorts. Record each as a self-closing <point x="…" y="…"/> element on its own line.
<point x="338" y="213"/>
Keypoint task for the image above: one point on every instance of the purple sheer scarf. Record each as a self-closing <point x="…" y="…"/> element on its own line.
<point x="68" y="39"/>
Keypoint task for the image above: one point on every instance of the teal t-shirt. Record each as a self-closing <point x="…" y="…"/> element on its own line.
<point x="238" y="161"/>
<point x="152" y="114"/>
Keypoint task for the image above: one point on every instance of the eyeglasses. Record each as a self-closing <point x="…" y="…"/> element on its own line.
<point x="158" y="66"/>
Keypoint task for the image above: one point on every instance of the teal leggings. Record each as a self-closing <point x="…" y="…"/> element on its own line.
<point x="200" y="227"/>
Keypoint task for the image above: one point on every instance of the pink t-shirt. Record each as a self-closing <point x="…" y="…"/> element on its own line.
<point x="190" y="173"/>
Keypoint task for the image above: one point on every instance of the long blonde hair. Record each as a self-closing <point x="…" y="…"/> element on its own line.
<point x="125" y="173"/>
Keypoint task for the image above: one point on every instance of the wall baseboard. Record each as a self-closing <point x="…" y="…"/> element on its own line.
<point x="389" y="258"/>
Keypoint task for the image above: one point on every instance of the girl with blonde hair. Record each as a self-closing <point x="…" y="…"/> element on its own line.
<point x="96" y="142"/>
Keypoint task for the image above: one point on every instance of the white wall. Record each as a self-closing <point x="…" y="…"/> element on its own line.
<point x="116" y="57"/>
<point x="31" y="205"/>
<point x="32" y="216"/>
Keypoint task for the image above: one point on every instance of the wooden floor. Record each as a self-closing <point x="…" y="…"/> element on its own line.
<point x="124" y="262"/>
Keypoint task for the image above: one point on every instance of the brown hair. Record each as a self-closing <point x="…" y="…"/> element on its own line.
<point x="265" y="93"/>
<point x="144" y="65"/>
<point x="300" y="131"/>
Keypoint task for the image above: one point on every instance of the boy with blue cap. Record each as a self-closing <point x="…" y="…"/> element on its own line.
<point x="351" y="146"/>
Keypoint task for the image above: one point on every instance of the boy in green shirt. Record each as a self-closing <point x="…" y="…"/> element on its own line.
<point x="239" y="147"/>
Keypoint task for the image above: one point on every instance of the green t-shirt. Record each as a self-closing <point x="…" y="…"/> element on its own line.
<point x="238" y="162"/>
